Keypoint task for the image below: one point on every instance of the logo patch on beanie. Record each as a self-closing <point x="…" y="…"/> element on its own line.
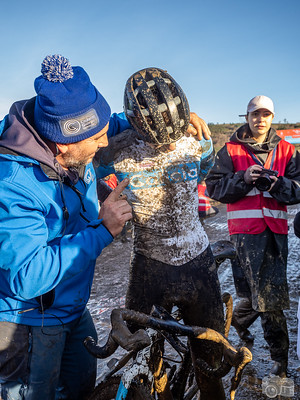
<point x="80" y="124"/>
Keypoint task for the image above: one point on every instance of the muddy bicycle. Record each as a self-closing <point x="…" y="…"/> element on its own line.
<point x="146" y="372"/>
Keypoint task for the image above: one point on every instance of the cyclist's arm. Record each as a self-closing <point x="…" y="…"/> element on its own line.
<point x="207" y="158"/>
<point x="117" y="124"/>
<point x="104" y="158"/>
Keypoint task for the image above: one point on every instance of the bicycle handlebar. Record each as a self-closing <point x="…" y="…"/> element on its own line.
<point x="232" y="357"/>
<point x="121" y="335"/>
<point x="101" y="351"/>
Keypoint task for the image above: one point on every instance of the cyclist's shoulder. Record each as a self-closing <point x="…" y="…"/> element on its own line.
<point x="198" y="148"/>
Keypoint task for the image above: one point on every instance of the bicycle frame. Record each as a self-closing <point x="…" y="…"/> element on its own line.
<point x="161" y="324"/>
<point x="141" y="368"/>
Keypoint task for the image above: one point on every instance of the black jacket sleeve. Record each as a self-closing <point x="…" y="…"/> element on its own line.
<point x="287" y="188"/>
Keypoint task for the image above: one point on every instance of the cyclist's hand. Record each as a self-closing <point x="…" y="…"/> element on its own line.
<point x="198" y="127"/>
<point x="115" y="210"/>
<point x="252" y="173"/>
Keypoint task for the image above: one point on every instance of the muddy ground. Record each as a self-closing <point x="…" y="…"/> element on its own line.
<point x="109" y="291"/>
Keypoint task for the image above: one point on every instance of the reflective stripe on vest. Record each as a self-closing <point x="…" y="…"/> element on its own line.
<point x="265" y="212"/>
<point x="255" y="191"/>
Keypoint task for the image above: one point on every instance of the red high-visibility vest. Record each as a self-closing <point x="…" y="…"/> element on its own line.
<point x="258" y="210"/>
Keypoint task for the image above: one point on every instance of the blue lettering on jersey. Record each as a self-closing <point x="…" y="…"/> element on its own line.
<point x="160" y="177"/>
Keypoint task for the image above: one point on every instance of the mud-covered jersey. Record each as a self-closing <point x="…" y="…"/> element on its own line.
<point x="163" y="193"/>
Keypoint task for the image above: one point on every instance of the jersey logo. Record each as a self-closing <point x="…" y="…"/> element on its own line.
<point x="161" y="177"/>
<point x="146" y="164"/>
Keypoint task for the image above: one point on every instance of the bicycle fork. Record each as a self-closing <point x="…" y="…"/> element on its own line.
<point x="161" y="382"/>
<point x="148" y="367"/>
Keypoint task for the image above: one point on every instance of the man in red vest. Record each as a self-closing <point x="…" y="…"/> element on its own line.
<point x="257" y="174"/>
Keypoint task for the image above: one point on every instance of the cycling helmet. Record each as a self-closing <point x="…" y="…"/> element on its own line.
<point x="156" y="106"/>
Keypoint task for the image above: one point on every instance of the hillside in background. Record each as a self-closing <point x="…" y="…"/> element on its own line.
<point x="222" y="132"/>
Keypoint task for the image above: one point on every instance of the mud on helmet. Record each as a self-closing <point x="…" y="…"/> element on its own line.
<point x="156" y="106"/>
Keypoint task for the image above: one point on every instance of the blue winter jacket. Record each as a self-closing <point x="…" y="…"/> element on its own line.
<point x="50" y="236"/>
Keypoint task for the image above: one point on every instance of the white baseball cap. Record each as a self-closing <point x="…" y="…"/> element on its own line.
<point x="260" y="102"/>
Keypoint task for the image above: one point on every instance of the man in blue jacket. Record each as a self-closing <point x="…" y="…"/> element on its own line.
<point x="51" y="232"/>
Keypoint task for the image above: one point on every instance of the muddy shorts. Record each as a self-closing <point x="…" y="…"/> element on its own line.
<point x="193" y="287"/>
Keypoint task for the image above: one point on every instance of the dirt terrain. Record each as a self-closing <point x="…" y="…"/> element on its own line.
<point x="109" y="291"/>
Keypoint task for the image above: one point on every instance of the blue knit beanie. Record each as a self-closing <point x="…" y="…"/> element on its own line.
<point x="68" y="107"/>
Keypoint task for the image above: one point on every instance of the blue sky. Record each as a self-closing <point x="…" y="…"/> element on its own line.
<point x="222" y="53"/>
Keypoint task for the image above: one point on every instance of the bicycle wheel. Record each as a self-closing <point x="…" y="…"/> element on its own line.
<point x="182" y="379"/>
<point x="139" y="391"/>
<point x="106" y="390"/>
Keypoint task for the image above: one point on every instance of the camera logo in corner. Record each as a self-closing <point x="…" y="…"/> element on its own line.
<point x="273" y="386"/>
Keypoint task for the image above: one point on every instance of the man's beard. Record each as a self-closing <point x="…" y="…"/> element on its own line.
<point x="71" y="162"/>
